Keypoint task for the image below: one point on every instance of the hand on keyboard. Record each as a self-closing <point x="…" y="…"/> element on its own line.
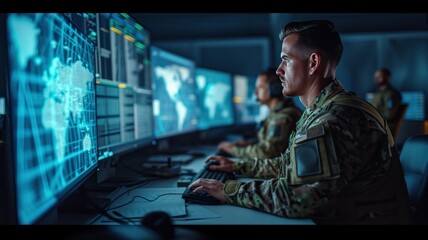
<point x="207" y="186"/>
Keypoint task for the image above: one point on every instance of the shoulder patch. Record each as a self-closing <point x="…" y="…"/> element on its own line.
<point x="275" y="130"/>
<point x="308" y="161"/>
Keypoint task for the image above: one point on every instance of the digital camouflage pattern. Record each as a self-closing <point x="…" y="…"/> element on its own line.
<point x="272" y="137"/>
<point x="386" y="100"/>
<point x="354" y="176"/>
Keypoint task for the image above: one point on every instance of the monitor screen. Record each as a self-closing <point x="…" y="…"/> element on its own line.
<point x="247" y="109"/>
<point x="52" y="110"/>
<point x="174" y="98"/>
<point x="123" y="86"/>
<point x="416" y="105"/>
<point x="214" y="94"/>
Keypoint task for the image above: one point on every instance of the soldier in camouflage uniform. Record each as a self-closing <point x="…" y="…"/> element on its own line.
<point x="387" y="99"/>
<point x="341" y="165"/>
<point x="273" y="135"/>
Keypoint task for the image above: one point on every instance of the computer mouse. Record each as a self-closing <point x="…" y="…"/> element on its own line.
<point x="160" y="222"/>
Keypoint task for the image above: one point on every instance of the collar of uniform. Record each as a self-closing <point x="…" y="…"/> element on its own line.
<point x="282" y="104"/>
<point x="331" y="89"/>
<point x="385" y="87"/>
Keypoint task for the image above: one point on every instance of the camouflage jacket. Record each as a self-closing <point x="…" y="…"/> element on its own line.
<point x="386" y="100"/>
<point x="272" y="137"/>
<point x="339" y="167"/>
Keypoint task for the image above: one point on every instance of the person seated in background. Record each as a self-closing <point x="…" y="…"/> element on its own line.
<point x="275" y="130"/>
<point x="341" y="166"/>
<point x="386" y="99"/>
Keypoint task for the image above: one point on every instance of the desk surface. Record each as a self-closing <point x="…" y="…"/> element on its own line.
<point x="225" y="214"/>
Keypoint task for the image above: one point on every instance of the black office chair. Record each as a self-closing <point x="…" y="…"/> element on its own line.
<point x="414" y="159"/>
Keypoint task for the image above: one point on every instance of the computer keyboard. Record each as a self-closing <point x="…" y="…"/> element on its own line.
<point x="203" y="197"/>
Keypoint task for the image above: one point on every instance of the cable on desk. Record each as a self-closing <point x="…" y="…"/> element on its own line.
<point x="129" y="220"/>
<point x="141" y="184"/>
<point x="148" y="200"/>
<point x="100" y="210"/>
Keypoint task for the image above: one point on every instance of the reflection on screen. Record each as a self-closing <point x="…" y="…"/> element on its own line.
<point x="416" y="105"/>
<point x="246" y="106"/>
<point x="214" y="94"/>
<point x="53" y="109"/>
<point x="124" y="95"/>
<point x="174" y="100"/>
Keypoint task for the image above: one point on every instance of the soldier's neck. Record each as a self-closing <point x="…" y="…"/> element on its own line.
<point x="272" y="103"/>
<point x="314" y="90"/>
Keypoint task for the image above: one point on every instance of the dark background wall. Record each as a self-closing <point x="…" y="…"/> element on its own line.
<point x="248" y="42"/>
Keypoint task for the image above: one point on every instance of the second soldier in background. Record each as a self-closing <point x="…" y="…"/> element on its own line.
<point x="275" y="130"/>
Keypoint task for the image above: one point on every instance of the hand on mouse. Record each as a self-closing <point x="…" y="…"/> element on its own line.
<point x="221" y="163"/>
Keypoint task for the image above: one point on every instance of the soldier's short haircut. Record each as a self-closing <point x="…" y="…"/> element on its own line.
<point x="316" y="34"/>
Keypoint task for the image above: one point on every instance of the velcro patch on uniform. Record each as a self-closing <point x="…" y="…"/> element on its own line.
<point x="310" y="133"/>
<point x="275" y="131"/>
<point x="308" y="160"/>
<point x="389" y="103"/>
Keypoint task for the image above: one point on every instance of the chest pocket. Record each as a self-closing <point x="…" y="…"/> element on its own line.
<point x="310" y="156"/>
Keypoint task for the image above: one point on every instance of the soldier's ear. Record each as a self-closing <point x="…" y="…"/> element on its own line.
<point x="314" y="62"/>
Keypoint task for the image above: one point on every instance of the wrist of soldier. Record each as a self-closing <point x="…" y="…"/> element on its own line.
<point x="231" y="189"/>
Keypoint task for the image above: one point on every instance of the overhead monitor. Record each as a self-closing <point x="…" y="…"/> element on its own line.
<point x="214" y="94"/>
<point x="247" y="109"/>
<point x="174" y="97"/>
<point x="124" y="94"/>
<point x="52" y="107"/>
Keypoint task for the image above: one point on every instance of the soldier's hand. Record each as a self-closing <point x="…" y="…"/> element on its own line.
<point x="225" y="147"/>
<point x="211" y="186"/>
<point x="222" y="163"/>
<point x="241" y="143"/>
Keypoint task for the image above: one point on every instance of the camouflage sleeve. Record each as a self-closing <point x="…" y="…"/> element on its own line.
<point x="393" y="100"/>
<point x="278" y="196"/>
<point x="259" y="168"/>
<point x="274" y="142"/>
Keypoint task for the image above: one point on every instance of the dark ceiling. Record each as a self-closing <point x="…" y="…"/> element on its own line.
<point x="180" y="26"/>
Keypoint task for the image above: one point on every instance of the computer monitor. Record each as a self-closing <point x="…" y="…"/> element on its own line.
<point x="174" y="97"/>
<point x="123" y="86"/>
<point x="416" y="105"/>
<point x="51" y="111"/>
<point x="214" y="94"/>
<point x="247" y="109"/>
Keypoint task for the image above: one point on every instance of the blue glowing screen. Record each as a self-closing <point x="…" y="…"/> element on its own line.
<point x="174" y="98"/>
<point x="214" y="94"/>
<point x="247" y="109"/>
<point x="416" y="105"/>
<point x="51" y="71"/>
<point x="124" y="91"/>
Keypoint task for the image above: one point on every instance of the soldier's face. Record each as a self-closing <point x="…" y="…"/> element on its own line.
<point x="380" y="78"/>
<point x="294" y="67"/>
<point x="262" y="89"/>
